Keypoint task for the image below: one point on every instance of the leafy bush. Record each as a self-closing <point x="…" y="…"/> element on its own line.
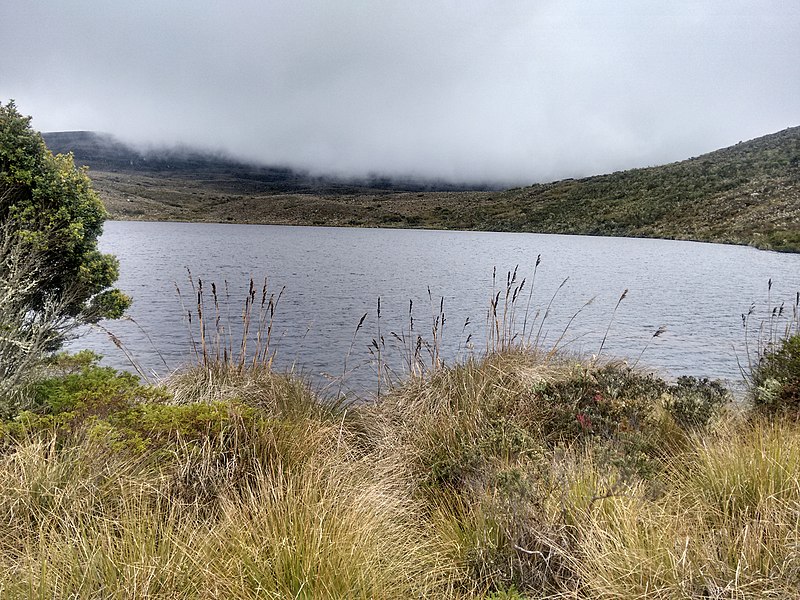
<point x="694" y="402"/>
<point x="84" y="386"/>
<point x="79" y="393"/>
<point x="776" y="379"/>
<point x="55" y="213"/>
<point x="52" y="276"/>
<point x="596" y="403"/>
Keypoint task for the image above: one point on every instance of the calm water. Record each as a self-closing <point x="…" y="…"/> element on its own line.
<point x="333" y="276"/>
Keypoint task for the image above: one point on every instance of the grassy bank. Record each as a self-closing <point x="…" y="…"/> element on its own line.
<point x="516" y="475"/>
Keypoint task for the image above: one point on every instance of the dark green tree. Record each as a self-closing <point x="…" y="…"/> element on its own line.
<point x="48" y="207"/>
<point x="52" y="276"/>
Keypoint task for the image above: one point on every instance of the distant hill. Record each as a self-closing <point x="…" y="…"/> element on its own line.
<point x="103" y="152"/>
<point x="745" y="194"/>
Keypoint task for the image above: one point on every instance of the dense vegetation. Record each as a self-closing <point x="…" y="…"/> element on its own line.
<point x="49" y="207"/>
<point x="519" y="473"/>
<point x="516" y="475"/>
<point x="52" y="277"/>
<point x="746" y="194"/>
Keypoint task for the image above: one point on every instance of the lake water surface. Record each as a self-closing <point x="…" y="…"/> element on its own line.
<point x="332" y="276"/>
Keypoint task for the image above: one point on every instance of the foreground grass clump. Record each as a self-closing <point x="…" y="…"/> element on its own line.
<point x="517" y="475"/>
<point x="725" y="527"/>
<point x="510" y="452"/>
<point x="234" y="497"/>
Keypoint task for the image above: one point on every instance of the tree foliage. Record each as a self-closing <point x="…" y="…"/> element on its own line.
<point x="52" y="276"/>
<point x="49" y="206"/>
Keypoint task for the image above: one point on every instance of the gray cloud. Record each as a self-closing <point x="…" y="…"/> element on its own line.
<point x="513" y="91"/>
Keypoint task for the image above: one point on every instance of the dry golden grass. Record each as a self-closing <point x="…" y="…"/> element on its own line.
<point x="310" y="518"/>
<point x="462" y="483"/>
<point x="726" y="525"/>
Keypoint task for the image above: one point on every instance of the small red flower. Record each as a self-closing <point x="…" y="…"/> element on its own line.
<point x="584" y="421"/>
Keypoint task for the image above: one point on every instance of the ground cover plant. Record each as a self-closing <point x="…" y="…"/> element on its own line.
<point x="514" y="474"/>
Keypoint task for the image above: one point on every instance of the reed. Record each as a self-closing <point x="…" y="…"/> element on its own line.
<point x="407" y="353"/>
<point x="766" y="328"/>
<point x="512" y="324"/>
<point x="218" y="339"/>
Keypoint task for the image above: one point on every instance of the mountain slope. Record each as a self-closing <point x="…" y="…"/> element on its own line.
<point x="745" y="194"/>
<point x="748" y="193"/>
<point x="105" y="153"/>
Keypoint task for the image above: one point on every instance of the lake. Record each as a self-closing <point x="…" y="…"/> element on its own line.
<point x="333" y="276"/>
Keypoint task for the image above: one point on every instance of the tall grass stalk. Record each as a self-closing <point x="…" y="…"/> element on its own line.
<point x="530" y="295"/>
<point x="503" y="331"/>
<point x="610" y="322"/>
<point x="777" y="323"/>
<point x="120" y="345"/>
<point x="217" y="340"/>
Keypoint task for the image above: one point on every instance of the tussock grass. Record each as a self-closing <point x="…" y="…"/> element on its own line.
<point x="287" y="511"/>
<point x="279" y="394"/>
<point x="519" y="474"/>
<point x="725" y="525"/>
<point x="333" y="532"/>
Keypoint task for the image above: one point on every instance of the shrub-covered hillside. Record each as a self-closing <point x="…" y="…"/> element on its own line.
<point x="746" y="194"/>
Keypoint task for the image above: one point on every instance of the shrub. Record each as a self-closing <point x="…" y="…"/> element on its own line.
<point x="596" y="403"/>
<point x="78" y="393"/>
<point x="83" y="385"/>
<point x="694" y="402"/>
<point x="52" y="276"/>
<point x="54" y="212"/>
<point x="775" y="381"/>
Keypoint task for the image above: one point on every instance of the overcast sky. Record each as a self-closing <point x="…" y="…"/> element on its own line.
<point x="511" y="91"/>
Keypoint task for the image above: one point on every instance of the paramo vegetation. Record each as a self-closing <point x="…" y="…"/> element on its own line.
<point x="52" y="277"/>
<point x="519" y="473"/>
<point x="514" y="475"/>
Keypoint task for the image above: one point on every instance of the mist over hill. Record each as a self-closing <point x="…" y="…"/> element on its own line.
<point x="748" y="193"/>
<point x="104" y="152"/>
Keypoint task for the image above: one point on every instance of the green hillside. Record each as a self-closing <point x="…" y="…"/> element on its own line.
<point x="746" y="194"/>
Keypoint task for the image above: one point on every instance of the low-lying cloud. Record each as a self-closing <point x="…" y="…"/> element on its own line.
<point x="508" y="91"/>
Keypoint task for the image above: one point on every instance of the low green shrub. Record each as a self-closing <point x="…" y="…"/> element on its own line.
<point x="601" y="403"/>
<point x="115" y="409"/>
<point x="508" y="594"/>
<point x="613" y="411"/>
<point x="76" y="394"/>
<point x="693" y="402"/>
<point x="79" y="385"/>
<point x="776" y="380"/>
